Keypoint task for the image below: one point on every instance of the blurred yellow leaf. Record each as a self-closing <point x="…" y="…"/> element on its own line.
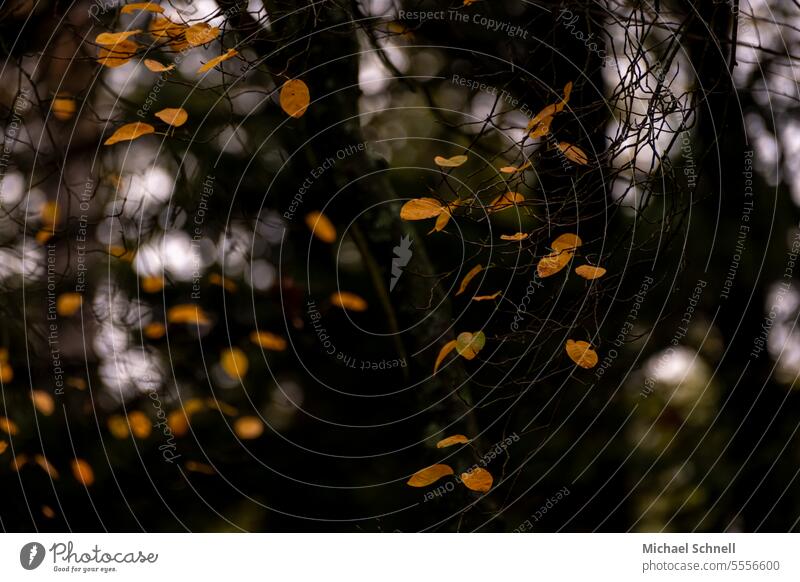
<point x="553" y="263"/>
<point x="45" y="464"/>
<point x="442" y="220"/>
<point x="122" y="253"/>
<point x="6" y="372"/>
<point x="581" y="353"/>
<point x="223" y="407"/>
<point x="468" y="344"/>
<point x="48" y="512"/>
<point x="63" y="108"/>
<point x="349" y="301"/>
<point x="130" y="131"/>
<point x="49" y="213"/>
<point x="477" y="479"/>
<point x="429" y="475"/>
<point x="201" y="33"/>
<point x="44" y="235"/>
<point x="451" y="162"/>
<point x="118" y="426"/>
<point x="112" y="38"/>
<point x="321" y="226"/>
<point x="43" y="402"/>
<point x="573" y="153"/>
<point x="18" y="461"/>
<point x="8" y="426"/>
<point x="486" y="297"/>
<point x="165" y="28"/>
<point x="146" y="6"/>
<point x="468" y="277"/>
<point x="295" y="97"/>
<point x="152" y="284"/>
<point x="506" y="201"/>
<point x="590" y="271"/>
<point x="420" y="209"/>
<point x="268" y="341"/>
<point x="217" y="60"/>
<point x="456" y="439"/>
<point x="3" y="446"/>
<point x="157" y="67"/>
<point x="187" y="313"/>
<point x="82" y="472"/>
<point x="518" y="236"/>
<point x="140" y="424"/>
<point x="154" y="330"/>
<point x="248" y="427"/>
<point x="235" y="363"/>
<point x="566" y="242"/>
<point x="514" y="169"/>
<point x="196" y="467"/>
<point x="446" y="349"/>
<point x="173" y="116"/>
<point x="227" y="284"/>
<point x="67" y="304"/>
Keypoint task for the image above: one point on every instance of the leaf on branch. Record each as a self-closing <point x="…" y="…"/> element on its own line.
<point x="590" y="272"/>
<point x="321" y="226"/>
<point x="486" y="297"/>
<point x="429" y="475"/>
<point x="117" y="55"/>
<point x="581" y="353"/>
<point x="514" y="169"/>
<point x="235" y="363"/>
<point x="441" y="221"/>
<point x="517" y="236"/>
<point x="469" y="277"/>
<point x="478" y="479"/>
<point x="63" y="108"/>
<point x="456" y="439"/>
<point x="43" y="402"/>
<point x="566" y="242"/>
<point x="551" y="264"/>
<point x="129" y="132"/>
<point x="573" y="153"/>
<point x="187" y="313"/>
<point x="446" y="349"/>
<point x="172" y="116"/>
<point x="506" y="200"/>
<point x="469" y="344"/>
<point x="201" y="33"/>
<point x="295" y="97"/>
<point x="146" y="6"/>
<point x="140" y="424"/>
<point x="248" y="427"/>
<point x="451" y="162"/>
<point x="8" y="426"/>
<point x="217" y="60"/>
<point x="82" y="471"/>
<point x="157" y="67"/>
<point x="113" y="38"/>
<point x="421" y="208"/>
<point x="348" y="301"/>
<point x="268" y="341"/>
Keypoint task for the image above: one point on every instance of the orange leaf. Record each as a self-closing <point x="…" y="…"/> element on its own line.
<point x="518" y="236"/>
<point x="442" y="220"/>
<point x="63" y="108"/>
<point x="118" y="426"/>
<point x="112" y="38"/>
<point x="248" y="427"/>
<point x="217" y="60"/>
<point x="573" y="153"/>
<point x="187" y="313"/>
<point x="477" y="479"/>
<point x="295" y="97"/>
<point x="146" y="6"/>
<point x="347" y="300"/>
<point x="173" y="116"/>
<point x="201" y="33"/>
<point x="468" y="344"/>
<point x="566" y="242"/>
<point x="553" y="263"/>
<point x="165" y="28"/>
<point x="140" y="424"/>
<point x="268" y="341"/>
<point x="421" y="208"/>
<point x="43" y="402"/>
<point x="452" y="440"/>
<point x="8" y="426"/>
<point x="129" y="132"/>
<point x="505" y="201"/>
<point x="486" y="297"/>
<point x="451" y="162"/>
<point x="429" y="475"/>
<point x="157" y="67"/>
<point x="468" y="277"/>
<point x="154" y="330"/>
<point x="446" y="349"/>
<point x="235" y="363"/>
<point x="3" y="446"/>
<point x="590" y="272"/>
<point x="118" y="54"/>
<point x="581" y="353"/>
<point x="321" y="226"/>
<point x="82" y="472"/>
<point x="67" y="304"/>
<point x="514" y="169"/>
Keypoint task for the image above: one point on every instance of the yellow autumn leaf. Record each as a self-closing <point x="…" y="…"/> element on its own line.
<point x="486" y="297"/>
<point x="3" y="446"/>
<point x="349" y="301"/>
<point x="152" y="284"/>
<point x="63" y="108"/>
<point x="227" y="284"/>
<point x="202" y="468"/>
<point x="429" y="475"/>
<point x="223" y="407"/>
<point x="201" y="33"/>
<point x="542" y="128"/>
<point x="146" y="6"/>
<point x="178" y="423"/>
<point x="446" y="349"/>
<point x="157" y="67"/>
<point x="173" y="116"/>
<point x="469" y="277"/>
<point x="573" y="153"/>
<point x="478" y="479"/>
<point x="421" y="208"/>
<point x="48" y="512"/>
<point x="154" y="330"/>
<point x="514" y="169"/>
<point x="43" y="402"/>
<point x="8" y="426"/>
<point x="187" y="313"/>
<point x="118" y="426"/>
<point x="165" y="28"/>
<point x="116" y="55"/>
<point x="122" y="253"/>
<point x="248" y="427"/>
<point x="235" y="363"/>
<point x="321" y="226"/>
<point x="6" y="372"/>
<point x="442" y="220"/>
<point x="581" y="353"/>
<point x="82" y="471"/>
<point x="295" y="97"/>
<point x="140" y="424"/>
<point x="590" y="272"/>
<point x="18" y="461"/>
<point x="49" y="213"/>
<point x="217" y="60"/>
<point x="566" y="242"/>
<point x="451" y="162"/>
<point x="468" y="344"/>
<point x="268" y="341"/>
<point x="67" y="304"/>
<point x="129" y="132"/>
<point x="46" y="466"/>
<point x="551" y="264"/>
<point x="544" y="116"/>
<point x="44" y="235"/>
<point x="456" y="439"/>
<point x="506" y="201"/>
<point x="113" y="38"/>
<point x="517" y="236"/>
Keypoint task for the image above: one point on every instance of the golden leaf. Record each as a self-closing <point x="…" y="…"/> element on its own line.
<point x="140" y="424"/>
<point x="514" y="169"/>
<point x="217" y="60"/>
<point x="8" y="426"/>
<point x="573" y="153"/>
<point x="187" y="313"/>
<point x="43" y="402"/>
<point x="77" y="383"/>
<point x="227" y="284"/>
<point x="46" y="465"/>
<point x="446" y="349"/>
<point x="517" y="236"/>
<point x="347" y="300"/>
<point x="321" y="226"/>
<point x="202" y="468"/>
<point x="544" y="116"/>
<point x="82" y="471"/>
<point x="295" y="97"/>
<point x="3" y="446"/>
<point x="429" y="475"/>
<point x="174" y="117"/>
<point x="268" y="341"/>
<point x="451" y="162"/>
<point x="201" y="33"/>
<point x="235" y="363"/>
<point x="456" y="439"/>
<point x="129" y="132"/>
<point x="581" y="353"/>
<point x="67" y="304"/>
<point x="468" y="277"/>
<point x="118" y="426"/>
<point x="468" y="344"/>
<point x="49" y="213"/>
<point x="6" y="372"/>
<point x="442" y="220"/>
<point x="18" y="462"/>
<point x="566" y="242"/>
<point x="223" y="407"/>
<point x="117" y="55"/>
<point x="146" y="6"/>
<point x="112" y="38"/>
<point x="154" y="330"/>
<point x="477" y="479"/>
<point x="63" y="108"/>
<point x="44" y="235"/>
<point x="590" y="272"/>
<point x="542" y="128"/>
<point x="48" y="512"/>
<point x="157" y="67"/>
<point x="165" y="28"/>
<point x="421" y="208"/>
<point x="178" y="423"/>
<point x="122" y="253"/>
<point x="506" y="201"/>
<point x="553" y="263"/>
<point x="152" y="284"/>
<point x="486" y="297"/>
<point x="248" y="427"/>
